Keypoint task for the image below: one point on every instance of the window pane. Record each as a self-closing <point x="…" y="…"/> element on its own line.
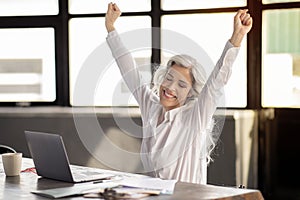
<point x="87" y="39"/>
<point x="97" y="6"/>
<point x="196" y="4"/>
<point x="278" y="1"/>
<point x="28" y="7"/>
<point x="281" y="58"/>
<point x="27" y="65"/>
<point x="212" y="40"/>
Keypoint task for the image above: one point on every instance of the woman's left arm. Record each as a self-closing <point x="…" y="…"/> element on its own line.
<point x="212" y="91"/>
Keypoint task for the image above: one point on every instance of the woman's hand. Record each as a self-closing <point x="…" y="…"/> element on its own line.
<point x="242" y="25"/>
<point x="112" y="14"/>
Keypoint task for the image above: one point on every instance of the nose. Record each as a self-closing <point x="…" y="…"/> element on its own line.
<point x="172" y="86"/>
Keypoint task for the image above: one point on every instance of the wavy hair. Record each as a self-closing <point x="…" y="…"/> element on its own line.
<point x="197" y="72"/>
<point x="198" y="81"/>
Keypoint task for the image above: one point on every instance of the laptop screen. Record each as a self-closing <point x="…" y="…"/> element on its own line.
<point x="49" y="155"/>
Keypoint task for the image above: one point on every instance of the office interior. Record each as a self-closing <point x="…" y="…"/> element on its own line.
<point x="47" y="48"/>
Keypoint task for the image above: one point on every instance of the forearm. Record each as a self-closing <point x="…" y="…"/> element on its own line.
<point x="236" y="39"/>
<point x="109" y="27"/>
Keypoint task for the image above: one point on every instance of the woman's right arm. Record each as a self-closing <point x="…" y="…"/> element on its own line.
<point x="122" y="55"/>
<point x="125" y="62"/>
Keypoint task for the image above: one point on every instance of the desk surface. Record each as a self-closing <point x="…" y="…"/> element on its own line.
<point x="20" y="187"/>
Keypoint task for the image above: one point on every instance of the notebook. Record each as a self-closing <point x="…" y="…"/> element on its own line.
<point x="51" y="160"/>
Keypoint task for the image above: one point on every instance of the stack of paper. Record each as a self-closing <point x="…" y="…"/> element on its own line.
<point x="132" y="186"/>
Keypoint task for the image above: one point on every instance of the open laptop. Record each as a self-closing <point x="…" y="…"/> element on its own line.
<point x="51" y="161"/>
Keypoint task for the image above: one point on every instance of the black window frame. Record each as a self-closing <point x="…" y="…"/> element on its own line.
<point x="60" y="24"/>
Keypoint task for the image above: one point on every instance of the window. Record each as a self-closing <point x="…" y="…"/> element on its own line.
<point x="28" y="51"/>
<point x="28" y="7"/>
<point x="71" y="31"/>
<point x="196" y="4"/>
<point x="27" y="65"/>
<point x="212" y="40"/>
<point x="281" y="58"/>
<point x="92" y="66"/>
<point x="96" y="6"/>
<point x="87" y="34"/>
<point x="278" y="1"/>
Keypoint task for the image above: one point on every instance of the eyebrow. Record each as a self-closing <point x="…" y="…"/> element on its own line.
<point x="170" y="74"/>
<point x="182" y="81"/>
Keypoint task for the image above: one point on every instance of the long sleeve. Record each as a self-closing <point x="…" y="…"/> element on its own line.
<point x="130" y="72"/>
<point x="213" y="89"/>
<point x="125" y="61"/>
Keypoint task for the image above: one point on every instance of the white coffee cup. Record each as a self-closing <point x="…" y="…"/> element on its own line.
<point x="12" y="163"/>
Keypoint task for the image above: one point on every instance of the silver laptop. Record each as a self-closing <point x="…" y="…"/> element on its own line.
<point x="51" y="161"/>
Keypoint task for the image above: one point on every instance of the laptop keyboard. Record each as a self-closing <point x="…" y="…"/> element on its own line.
<point x="86" y="174"/>
<point x="86" y="177"/>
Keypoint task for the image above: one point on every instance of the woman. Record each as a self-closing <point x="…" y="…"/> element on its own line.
<point x="177" y="112"/>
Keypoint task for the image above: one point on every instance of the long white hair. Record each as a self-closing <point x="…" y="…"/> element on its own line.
<point x="198" y="81"/>
<point x="197" y="72"/>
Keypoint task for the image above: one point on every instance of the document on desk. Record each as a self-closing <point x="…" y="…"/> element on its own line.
<point x="148" y="184"/>
<point x="77" y="189"/>
<point x="165" y="186"/>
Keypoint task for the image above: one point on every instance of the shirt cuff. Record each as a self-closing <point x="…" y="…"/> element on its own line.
<point x="112" y="34"/>
<point x="230" y="45"/>
<point x="115" y="44"/>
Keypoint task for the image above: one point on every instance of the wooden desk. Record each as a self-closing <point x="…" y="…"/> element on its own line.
<point x="20" y="187"/>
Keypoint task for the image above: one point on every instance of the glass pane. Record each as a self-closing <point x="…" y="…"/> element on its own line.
<point x="97" y="6"/>
<point x="281" y="58"/>
<point x="28" y="7"/>
<point x="27" y="65"/>
<point x="212" y="40"/>
<point x="278" y="1"/>
<point x="88" y="45"/>
<point x="196" y="4"/>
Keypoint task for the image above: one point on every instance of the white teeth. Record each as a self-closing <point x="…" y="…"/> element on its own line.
<point x="169" y="95"/>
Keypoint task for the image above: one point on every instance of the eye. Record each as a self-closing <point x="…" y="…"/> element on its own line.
<point x="182" y="84"/>
<point x="169" y="77"/>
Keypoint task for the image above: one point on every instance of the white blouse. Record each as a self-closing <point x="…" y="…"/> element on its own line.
<point x="176" y="148"/>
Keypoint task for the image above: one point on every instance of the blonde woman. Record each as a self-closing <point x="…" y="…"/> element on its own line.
<point x="177" y="112"/>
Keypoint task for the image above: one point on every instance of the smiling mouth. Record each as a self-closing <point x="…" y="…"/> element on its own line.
<point x="168" y="95"/>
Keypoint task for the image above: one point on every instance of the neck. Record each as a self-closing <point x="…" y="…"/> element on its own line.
<point x="161" y="117"/>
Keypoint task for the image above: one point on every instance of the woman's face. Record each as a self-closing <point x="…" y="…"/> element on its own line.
<point x="175" y="87"/>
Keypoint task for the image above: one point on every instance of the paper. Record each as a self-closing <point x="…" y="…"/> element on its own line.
<point x="77" y="189"/>
<point x="165" y="186"/>
<point x="144" y="185"/>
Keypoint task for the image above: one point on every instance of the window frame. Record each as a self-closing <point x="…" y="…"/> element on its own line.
<point x="60" y="24"/>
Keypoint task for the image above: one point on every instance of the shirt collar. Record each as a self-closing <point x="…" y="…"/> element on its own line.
<point x="171" y="114"/>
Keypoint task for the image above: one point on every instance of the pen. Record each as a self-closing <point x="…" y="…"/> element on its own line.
<point x="100" y="181"/>
<point x="109" y="179"/>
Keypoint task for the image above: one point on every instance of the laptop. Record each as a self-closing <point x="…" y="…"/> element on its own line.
<point x="51" y="161"/>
